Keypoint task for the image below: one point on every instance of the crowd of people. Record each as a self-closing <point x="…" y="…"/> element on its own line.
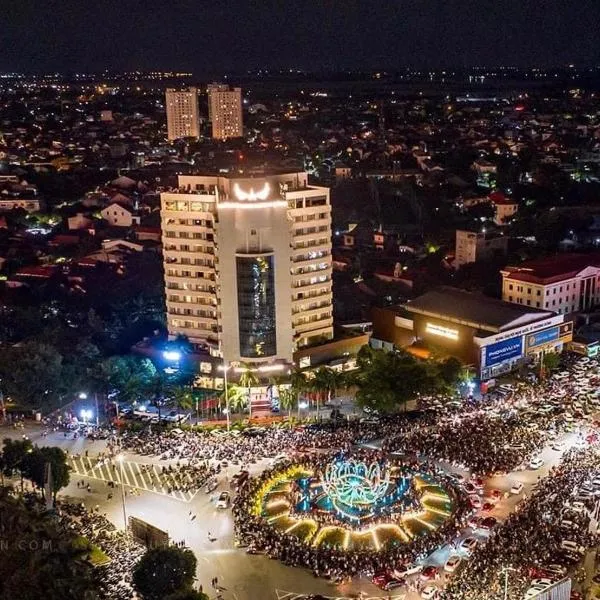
<point x="335" y="562"/>
<point x="115" y="578"/>
<point x="531" y="537"/>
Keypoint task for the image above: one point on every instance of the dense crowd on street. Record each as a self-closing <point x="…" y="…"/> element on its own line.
<point x="114" y="578"/>
<point x="532" y="535"/>
<point x="336" y="563"/>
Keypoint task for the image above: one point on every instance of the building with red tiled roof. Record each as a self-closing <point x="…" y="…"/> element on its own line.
<point x="504" y="208"/>
<point x="564" y="283"/>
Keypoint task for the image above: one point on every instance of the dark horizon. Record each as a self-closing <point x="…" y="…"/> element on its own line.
<point x="236" y="36"/>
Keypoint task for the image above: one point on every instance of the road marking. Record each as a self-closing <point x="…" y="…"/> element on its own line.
<point x="134" y="476"/>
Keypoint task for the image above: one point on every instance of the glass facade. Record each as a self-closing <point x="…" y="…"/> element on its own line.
<point x="256" y="306"/>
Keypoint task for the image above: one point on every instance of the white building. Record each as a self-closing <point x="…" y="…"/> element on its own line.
<point x="473" y="246"/>
<point x="564" y="284"/>
<point x="120" y="215"/>
<point x="248" y="264"/>
<point x="183" y="119"/>
<point x="225" y="111"/>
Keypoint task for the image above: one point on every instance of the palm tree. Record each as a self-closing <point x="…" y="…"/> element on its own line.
<point x="248" y="379"/>
<point x="182" y="395"/>
<point x="287" y="399"/>
<point x="299" y="385"/>
<point x="324" y="381"/>
<point x="236" y="397"/>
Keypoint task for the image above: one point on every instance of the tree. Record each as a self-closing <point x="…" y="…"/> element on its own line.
<point x="14" y="453"/>
<point x="236" y="398"/>
<point x="183" y="397"/>
<point x="323" y="382"/>
<point x="386" y="381"/>
<point x="164" y="571"/>
<point x="451" y="370"/>
<point x="34" y="468"/>
<point x="551" y="361"/>
<point x="32" y="374"/>
<point x="248" y="379"/>
<point x="299" y="385"/>
<point x="287" y="400"/>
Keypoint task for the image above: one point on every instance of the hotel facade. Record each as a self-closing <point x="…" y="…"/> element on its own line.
<point x="247" y="263"/>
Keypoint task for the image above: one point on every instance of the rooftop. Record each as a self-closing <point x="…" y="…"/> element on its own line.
<point x="551" y="269"/>
<point x="474" y="310"/>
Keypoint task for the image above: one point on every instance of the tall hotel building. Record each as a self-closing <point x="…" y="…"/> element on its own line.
<point x="225" y="111"/>
<point x="183" y="119"/>
<point x="247" y="263"/>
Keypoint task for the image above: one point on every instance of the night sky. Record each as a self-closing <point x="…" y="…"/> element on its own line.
<point x="207" y="37"/>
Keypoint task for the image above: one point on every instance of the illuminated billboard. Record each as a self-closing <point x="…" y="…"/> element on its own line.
<point x="559" y="333"/>
<point x="504" y="350"/>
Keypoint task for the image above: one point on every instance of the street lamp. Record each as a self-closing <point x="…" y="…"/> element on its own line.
<point x="505" y="571"/>
<point x="120" y="459"/>
<point x="86" y="415"/>
<point x="225" y="367"/>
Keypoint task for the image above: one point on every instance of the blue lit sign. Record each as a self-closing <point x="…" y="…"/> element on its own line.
<point x="505" y="350"/>
<point x="543" y="337"/>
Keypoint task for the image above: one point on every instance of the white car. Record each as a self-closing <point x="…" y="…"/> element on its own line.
<point x="468" y="545"/>
<point x="407" y="570"/>
<point x="429" y="592"/>
<point x="224" y="500"/>
<point x="534" y="591"/>
<point x="536" y="463"/>
<point x="211" y="485"/>
<point x="558" y="446"/>
<point x="571" y="546"/>
<point x="517" y="488"/>
<point x="452" y="564"/>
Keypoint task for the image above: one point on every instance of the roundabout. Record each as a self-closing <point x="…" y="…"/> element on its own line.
<point x="360" y="509"/>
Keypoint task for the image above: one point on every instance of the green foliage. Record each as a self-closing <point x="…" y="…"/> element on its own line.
<point x="386" y="381"/>
<point x="34" y="467"/>
<point x="187" y="595"/>
<point x="42" y="561"/>
<point x="31" y="374"/>
<point x="14" y="453"/>
<point x="551" y="361"/>
<point x="164" y="571"/>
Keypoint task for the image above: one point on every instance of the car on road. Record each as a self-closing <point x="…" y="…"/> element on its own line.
<point x="571" y="546"/>
<point x="211" y="485"/>
<point x="468" y="545"/>
<point x="488" y="506"/>
<point x="470" y="488"/>
<point x="488" y="523"/>
<point x="475" y="501"/>
<point x="408" y="570"/>
<point x="517" y="488"/>
<point x="536" y="463"/>
<point x="568" y="525"/>
<point x="534" y="591"/>
<point x="387" y="581"/>
<point x="558" y="446"/>
<point x="224" y="500"/>
<point x="542" y="581"/>
<point x="494" y="495"/>
<point x="452" y="564"/>
<point x="429" y="592"/>
<point x="429" y="573"/>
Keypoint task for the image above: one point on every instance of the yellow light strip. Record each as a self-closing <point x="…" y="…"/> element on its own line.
<point x="346" y="540"/>
<point x="428" y="525"/>
<point x="438" y="512"/>
<point x="375" y="539"/>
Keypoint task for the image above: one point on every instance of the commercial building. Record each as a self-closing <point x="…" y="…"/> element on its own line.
<point x="183" y="118"/>
<point x="473" y="246"/>
<point x="247" y="263"/>
<point x="225" y="111"/>
<point x="489" y="334"/>
<point x="564" y="284"/>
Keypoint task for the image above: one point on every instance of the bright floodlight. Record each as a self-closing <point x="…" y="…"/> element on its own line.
<point x="303" y="405"/>
<point x="120" y="458"/>
<point x="86" y="414"/>
<point x="173" y="355"/>
<point x="82" y="395"/>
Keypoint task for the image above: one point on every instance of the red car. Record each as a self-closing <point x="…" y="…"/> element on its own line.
<point x="386" y="581"/>
<point x="495" y="495"/>
<point x="429" y="573"/>
<point x="487" y="506"/>
<point x="488" y="523"/>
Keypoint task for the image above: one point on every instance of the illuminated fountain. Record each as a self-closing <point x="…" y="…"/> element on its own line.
<point x="354" y="504"/>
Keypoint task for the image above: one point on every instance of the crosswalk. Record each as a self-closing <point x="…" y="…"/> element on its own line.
<point x="139" y="476"/>
<point x="284" y="595"/>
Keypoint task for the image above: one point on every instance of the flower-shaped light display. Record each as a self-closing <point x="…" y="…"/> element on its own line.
<point x="355" y="484"/>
